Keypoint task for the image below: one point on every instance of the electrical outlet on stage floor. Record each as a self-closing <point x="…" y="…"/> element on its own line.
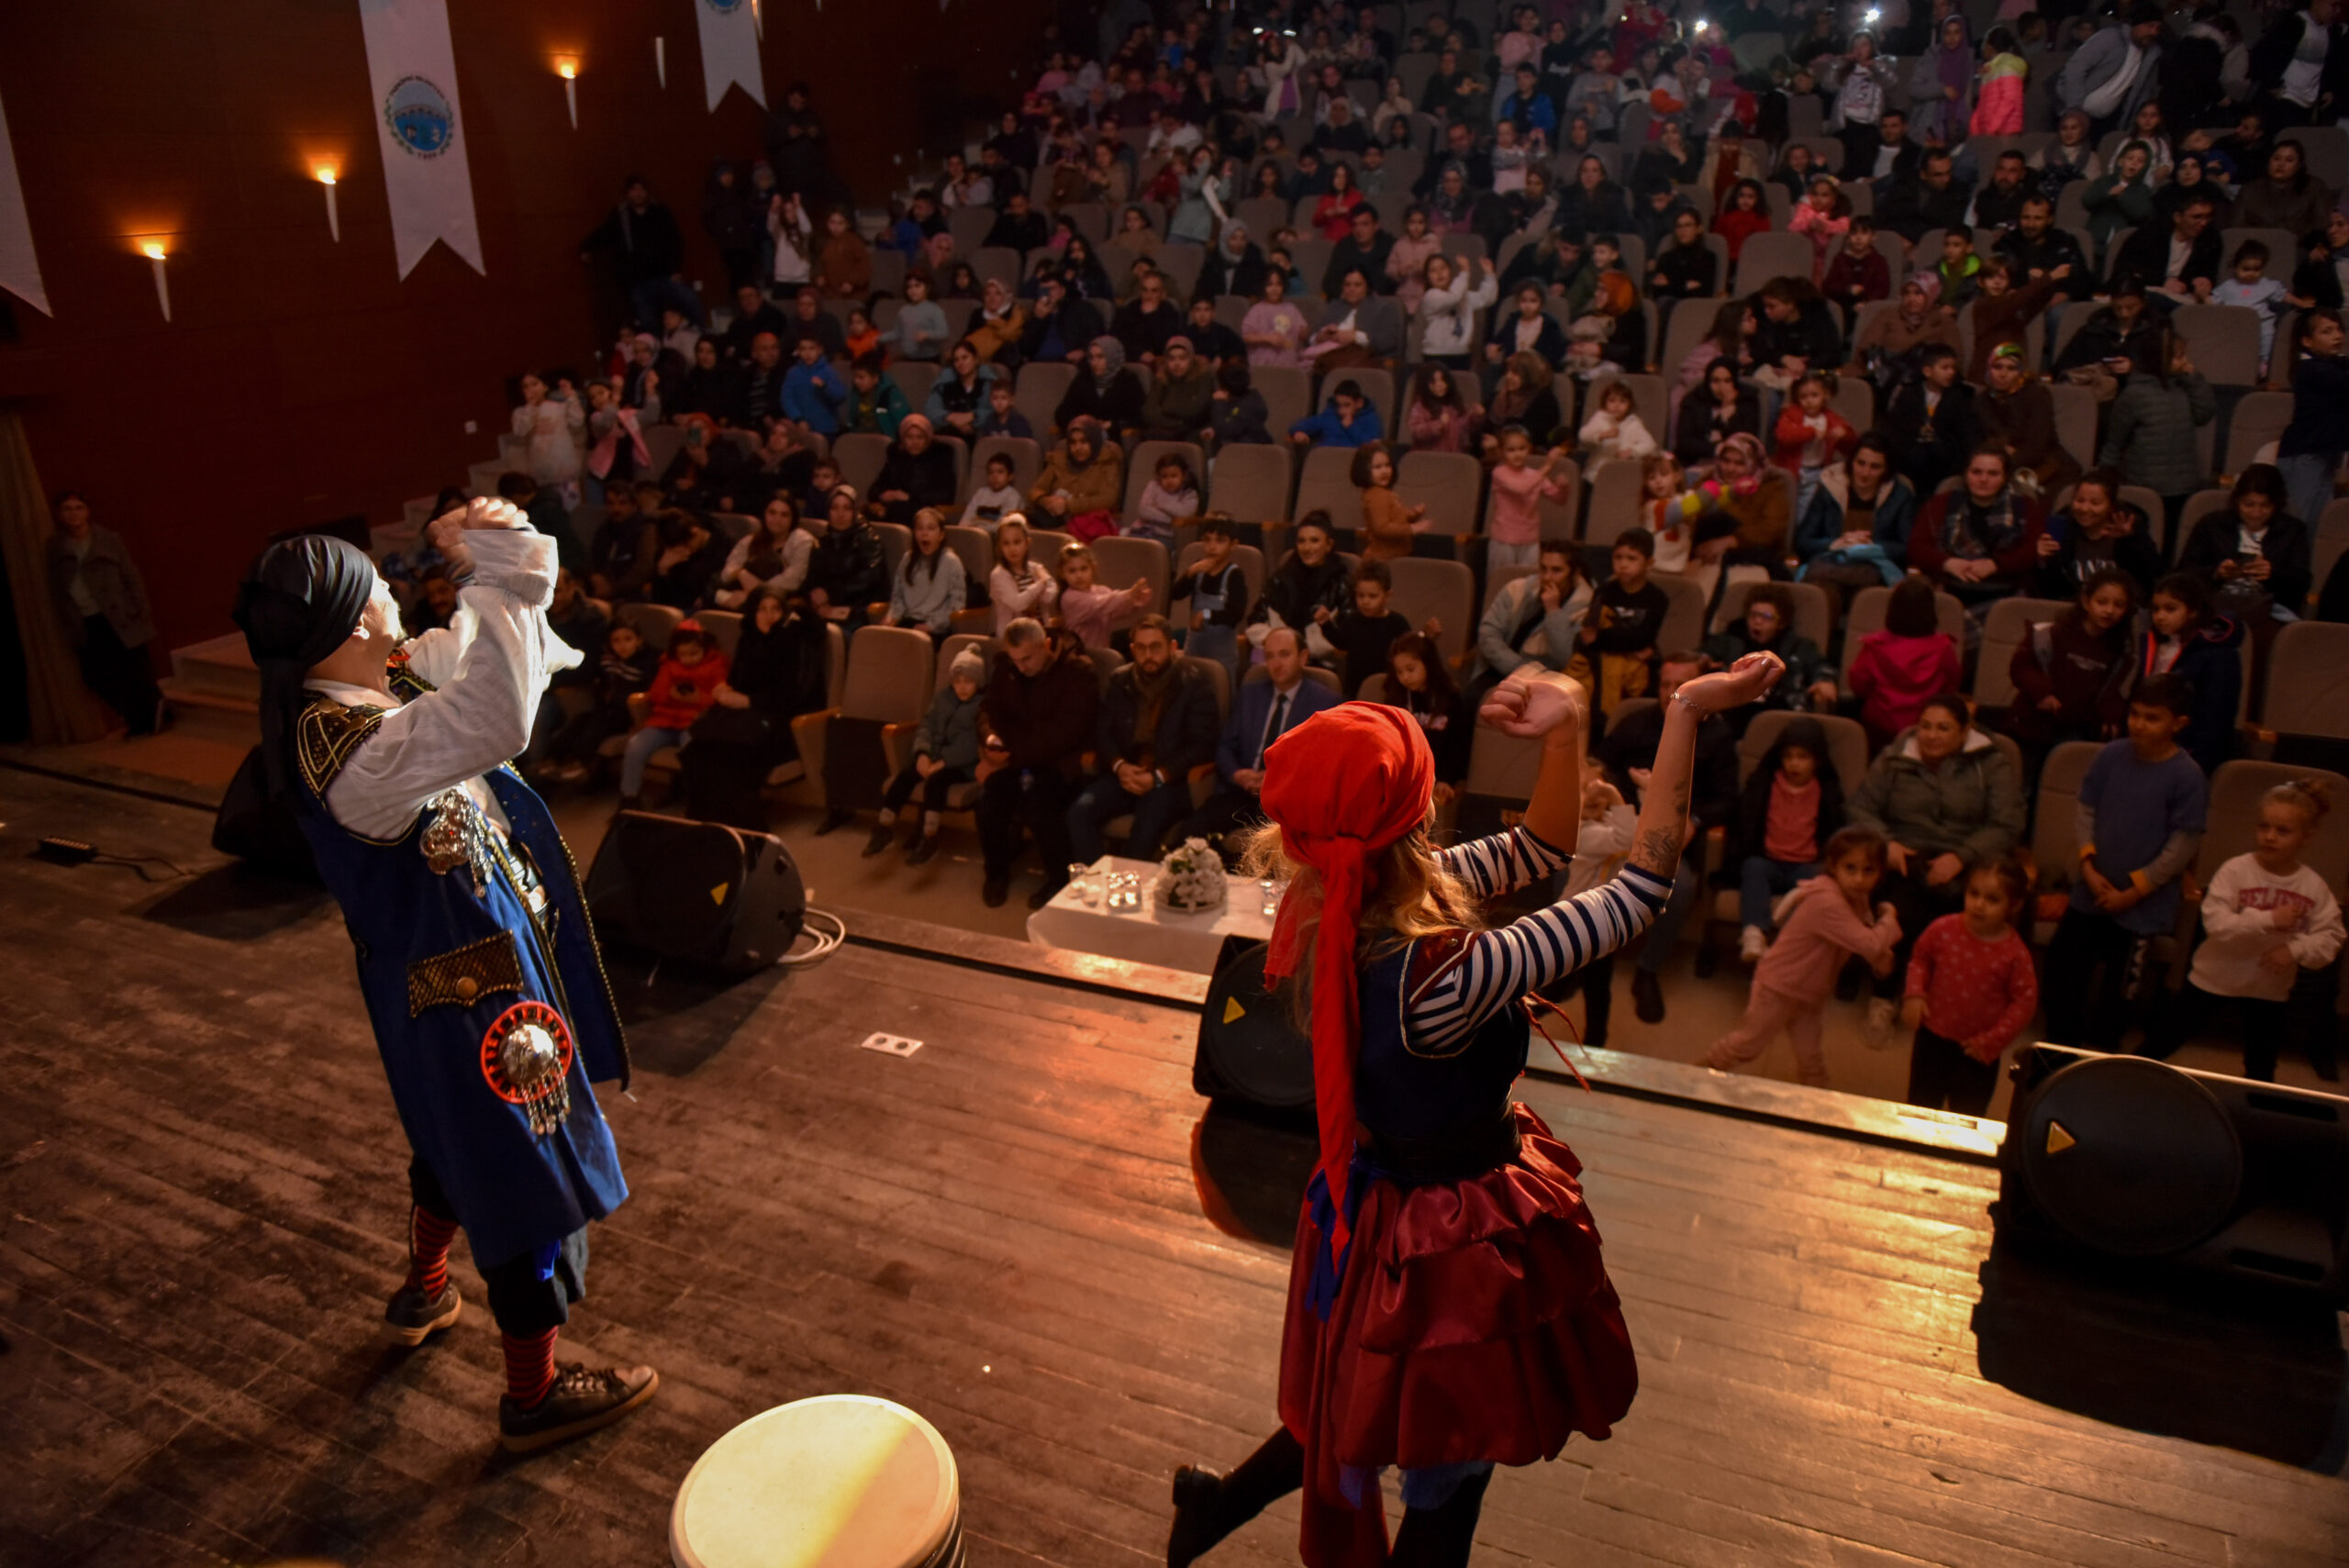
<point x="891" y="1044"/>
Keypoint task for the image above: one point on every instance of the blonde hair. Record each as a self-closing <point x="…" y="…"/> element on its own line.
<point x="2311" y="795"/>
<point x="1408" y="893"/>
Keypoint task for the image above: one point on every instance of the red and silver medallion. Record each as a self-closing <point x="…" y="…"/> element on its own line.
<point x="525" y="1057"/>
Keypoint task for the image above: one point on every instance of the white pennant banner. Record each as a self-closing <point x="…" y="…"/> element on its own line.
<point x="413" y="68"/>
<point x="730" y="48"/>
<point x="19" y="268"/>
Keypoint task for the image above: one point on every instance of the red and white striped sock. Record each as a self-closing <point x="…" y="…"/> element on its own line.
<point x="529" y="1367"/>
<point x="428" y="1235"/>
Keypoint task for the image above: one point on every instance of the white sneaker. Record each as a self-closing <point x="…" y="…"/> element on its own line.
<point x="1751" y="943"/>
<point x="1878" y="1032"/>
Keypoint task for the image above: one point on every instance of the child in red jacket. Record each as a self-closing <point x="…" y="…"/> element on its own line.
<point x="1809" y="435"/>
<point x="1899" y="668"/>
<point x="692" y="670"/>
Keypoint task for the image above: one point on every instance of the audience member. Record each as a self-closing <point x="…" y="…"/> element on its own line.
<point x="1971" y="990"/>
<point x="692" y="669"/>
<point x="1038" y="717"/>
<point x="1090" y="610"/>
<point x="945" y="753"/>
<point x="103" y="612"/>
<point x="1264" y="712"/>
<point x="1218" y="591"/>
<point x="1158" y="721"/>
<point x="2072" y="674"/>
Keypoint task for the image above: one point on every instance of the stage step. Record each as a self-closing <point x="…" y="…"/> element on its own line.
<point x="215" y="691"/>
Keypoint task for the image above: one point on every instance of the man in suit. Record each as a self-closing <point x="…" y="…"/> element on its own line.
<point x="1158" y="722"/>
<point x="1266" y="710"/>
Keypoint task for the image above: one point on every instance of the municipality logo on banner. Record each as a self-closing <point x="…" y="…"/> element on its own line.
<point x="730" y="50"/>
<point x="412" y="67"/>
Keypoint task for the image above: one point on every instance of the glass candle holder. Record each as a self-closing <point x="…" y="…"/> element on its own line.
<point x="1270" y="892"/>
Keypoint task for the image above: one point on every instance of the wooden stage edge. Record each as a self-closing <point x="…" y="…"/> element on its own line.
<point x="1031" y="1231"/>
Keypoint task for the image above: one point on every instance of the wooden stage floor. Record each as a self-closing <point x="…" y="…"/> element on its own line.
<point x="1029" y="1233"/>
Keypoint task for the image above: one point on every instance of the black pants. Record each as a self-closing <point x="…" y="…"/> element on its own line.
<point x="121" y="676"/>
<point x="1916" y="906"/>
<point x="2259" y="1024"/>
<point x="932" y="790"/>
<point x="1227" y="810"/>
<point x="1944" y="1077"/>
<point x="1034" y="798"/>
<point x="528" y="1294"/>
<point x="2094" y="980"/>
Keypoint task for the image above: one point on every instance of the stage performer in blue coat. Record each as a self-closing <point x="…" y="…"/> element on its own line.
<point x="476" y="961"/>
<point x="1448" y="1308"/>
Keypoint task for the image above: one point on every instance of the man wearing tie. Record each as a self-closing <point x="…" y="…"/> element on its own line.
<point x="1267" y="709"/>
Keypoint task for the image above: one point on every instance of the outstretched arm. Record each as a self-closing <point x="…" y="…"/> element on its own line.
<point x="1663" y="828"/>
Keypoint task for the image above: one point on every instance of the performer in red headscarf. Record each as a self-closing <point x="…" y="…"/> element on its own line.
<point x="1448" y="1309"/>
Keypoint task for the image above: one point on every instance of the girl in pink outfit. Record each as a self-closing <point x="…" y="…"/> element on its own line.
<point x="2001" y="81"/>
<point x="1514" y="529"/>
<point x="1826" y="215"/>
<point x="1820" y="924"/>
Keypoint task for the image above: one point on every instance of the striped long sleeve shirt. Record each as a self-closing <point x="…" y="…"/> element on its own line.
<point x="1496" y="967"/>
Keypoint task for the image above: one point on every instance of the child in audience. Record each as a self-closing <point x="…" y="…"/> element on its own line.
<point x="1960" y="269"/>
<point x="1515" y="530"/>
<point x="1626" y="618"/>
<point x="2266" y="918"/>
<point x="1823" y="923"/>
<point x="1387" y="524"/>
<point x="2140" y="819"/>
<point x="1088" y="609"/>
<point x="1669" y="510"/>
<point x="1600" y="844"/>
<point x="876" y="405"/>
<point x="1218" y="590"/>
<point x="863" y="337"/>
<point x="946" y="753"/>
<point x="1419" y="682"/>
<point x="1001" y="417"/>
<point x="1906" y="664"/>
<point x="1170" y="499"/>
<point x="1859" y="273"/>
<point x="1363" y="636"/>
<point x="1614" y="429"/>
<point x="624" y="667"/>
<point x="1825" y="214"/>
<point x="1971" y="990"/>
<point x="1792" y="806"/>
<point x="995" y="500"/>
<point x="692" y="669"/>
<point x="1019" y="586"/>
<point x="1810" y="435"/>
<point x="2071" y="675"/>
<point x="2250" y="287"/>
<point x="931" y="586"/>
<point x="2190" y="639"/>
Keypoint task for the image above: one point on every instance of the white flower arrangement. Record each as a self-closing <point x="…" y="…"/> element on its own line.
<point x="1190" y="879"/>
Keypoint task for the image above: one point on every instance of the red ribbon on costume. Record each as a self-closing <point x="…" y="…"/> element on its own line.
<point x="1341" y="786"/>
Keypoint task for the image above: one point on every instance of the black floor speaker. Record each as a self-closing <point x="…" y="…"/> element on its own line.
<point x="699" y="891"/>
<point x="1249" y="1048"/>
<point x="2220" y="1176"/>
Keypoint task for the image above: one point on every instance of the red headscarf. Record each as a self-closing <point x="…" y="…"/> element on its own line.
<point x="1342" y="785"/>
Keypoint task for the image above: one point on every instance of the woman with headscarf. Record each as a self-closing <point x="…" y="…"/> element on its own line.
<point x="917" y="472"/>
<point x="1980" y="542"/>
<point x="1082" y="273"/>
<point x="2017" y="413"/>
<point x="1757" y="500"/>
<point x="1886" y="349"/>
<point x="1235" y="265"/>
<point x="775" y="674"/>
<point x="1082" y="486"/>
<point x="2191" y="179"/>
<point x="1448" y="1308"/>
<point x="477" y="959"/>
<point x="1104" y="391"/>
<point x="1941" y="85"/>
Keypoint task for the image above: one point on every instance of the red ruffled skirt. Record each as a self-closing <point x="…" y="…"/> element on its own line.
<point x="1473" y="1321"/>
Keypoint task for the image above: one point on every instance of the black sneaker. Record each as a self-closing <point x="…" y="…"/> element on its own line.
<point x="922" y="850"/>
<point x="994" y="891"/>
<point x="583" y="1400"/>
<point x="416" y="1316"/>
<point x="1647" y="996"/>
<point x="883" y="834"/>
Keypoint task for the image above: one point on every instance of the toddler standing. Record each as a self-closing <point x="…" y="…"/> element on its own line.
<point x="692" y="669"/>
<point x="1971" y="990"/>
<point x="2251" y="286"/>
<point x="1821" y="923"/>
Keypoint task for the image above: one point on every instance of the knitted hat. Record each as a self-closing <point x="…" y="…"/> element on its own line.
<point x="968" y="664"/>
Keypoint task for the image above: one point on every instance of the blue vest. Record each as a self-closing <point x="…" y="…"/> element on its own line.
<point x="1405" y="1094"/>
<point x="448" y="943"/>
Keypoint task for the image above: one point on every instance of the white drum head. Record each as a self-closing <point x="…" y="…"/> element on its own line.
<point x="842" y="1481"/>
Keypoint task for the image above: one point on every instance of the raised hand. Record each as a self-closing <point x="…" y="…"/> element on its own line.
<point x="1742" y="683"/>
<point x="1535" y="701"/>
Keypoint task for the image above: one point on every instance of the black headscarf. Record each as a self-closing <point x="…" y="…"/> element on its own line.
<point x="296" y="606"/>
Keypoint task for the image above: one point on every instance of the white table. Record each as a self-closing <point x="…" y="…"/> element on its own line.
<point x="1168" y="938"/>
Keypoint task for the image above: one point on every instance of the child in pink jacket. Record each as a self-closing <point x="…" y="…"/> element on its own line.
<point x="1820" y="924"/>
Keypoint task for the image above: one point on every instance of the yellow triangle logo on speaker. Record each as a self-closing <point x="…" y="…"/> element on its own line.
<point x="1233" y="1011"/>
<point x="718" y="893"/>
<point x="2058" y="1139"/>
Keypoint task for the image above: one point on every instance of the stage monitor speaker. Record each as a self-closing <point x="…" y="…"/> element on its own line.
<point x="1248" y="1047"/>
<point x="699" y="891"/>
<point x="2219" y="1175"/>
